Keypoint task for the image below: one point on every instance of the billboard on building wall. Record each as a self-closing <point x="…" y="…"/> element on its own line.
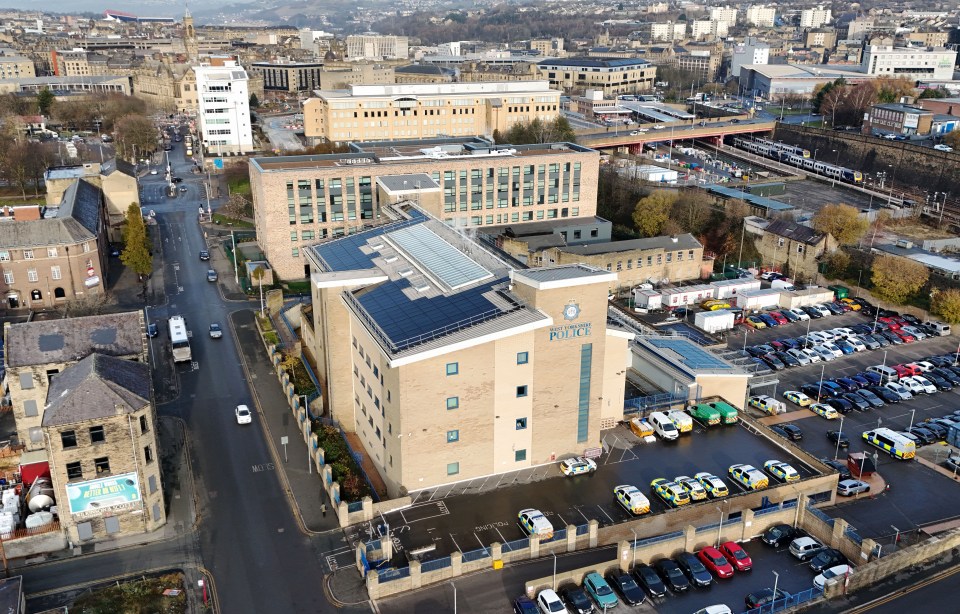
<point x="911" y="120"/>
<point x="104" y="493"/>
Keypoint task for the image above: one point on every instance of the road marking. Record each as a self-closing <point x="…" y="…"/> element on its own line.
<point x="581" y="513"/>
<point x="612" y="521"/>
<point x="455" y="542"/>
<point x="482" y="545"/>
<point x="503" y="539"/>
<point x="263" y="467"/>
<point x="565" y="523"/>
<point x="484" y="483"/>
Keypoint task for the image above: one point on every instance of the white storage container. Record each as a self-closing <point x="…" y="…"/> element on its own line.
<point x="714" y="321"/>
<point x="732" y="287"/>
<point x="758" y="299"/>
<point x="647" y="299"/>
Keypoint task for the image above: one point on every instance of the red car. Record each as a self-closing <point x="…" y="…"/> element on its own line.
<point x="893" y="324"/>
<point x="910" y="368"/>
<point x="737" y="556"/>
<point x="907" y="337"/>
<point x="776" y="315"/>
<point x="715" y="562"/>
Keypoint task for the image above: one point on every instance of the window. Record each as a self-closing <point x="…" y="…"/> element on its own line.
<point x="453" y="368"/>
<point x="55" y="272"/>
<point x="453" y="468"/>
<point x="74" y="471"/>
<point x="4" y="256"/>
<point x="148" y="454"/>
<point x="51" y="252"/>
<point x="453" y="402"/>
<point x="32" y="275"/>
<point x="102" y="464"/>
<point x="453" y="436"/>
<point x="523" y="358"/>
<point x="521" y="424"/>
<point x="799" y="248"/>
<point x="97" y="435"/>
<point x="520" y="455"/>
<point x="144" y="426"/>
<point x="8" y="278"/>
<point x="30" y="408"/>
<point x="68" y="439"/>
<point x="780" y="242"/>
<point x="152" y="481"/>
<point x="28" y="254"/>
<point x="521" y="391"/>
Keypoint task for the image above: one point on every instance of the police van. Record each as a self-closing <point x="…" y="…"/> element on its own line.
<point x="893" y="443"/>
<point x="632" y="499"/>
<point x="663" y="425"/>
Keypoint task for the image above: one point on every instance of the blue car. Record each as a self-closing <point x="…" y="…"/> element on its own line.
<point x="860" y="380"/>
<point x="600" y="591"/>
<point x="834" y="388"/>
<point x="525" y="605"/>
<point x="790" y="343"/>
<point x="874" y="379"/>
<point x="847" y="384"/>
<point x="845" y="347"/>
<point x="768" y="320"/>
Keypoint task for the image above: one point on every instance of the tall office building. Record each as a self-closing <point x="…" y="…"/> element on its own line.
<point x="224" y="108"/>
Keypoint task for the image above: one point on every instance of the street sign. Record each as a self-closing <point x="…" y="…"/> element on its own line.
<point x="218" y="163"/>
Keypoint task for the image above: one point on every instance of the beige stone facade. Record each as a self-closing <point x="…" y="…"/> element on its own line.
<point x="796" y="248"/>
<point x="410" y="111"/>
<point x="16" y="67"/>
<point x="116" y="179"/>
<point x="301" y="200"/>
<point x="613" y="76"/>
<point x="479" y="400"/>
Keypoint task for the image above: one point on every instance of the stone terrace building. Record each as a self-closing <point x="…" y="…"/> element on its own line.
<point x="100" y="426"/>
<point x="795" y="247"/>
<point x="467" y="183"/>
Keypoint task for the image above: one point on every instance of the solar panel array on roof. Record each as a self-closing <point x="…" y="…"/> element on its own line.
<point x="344" y="254"/>
<point x="440" y="260"/>
<point x="409" y="321"/>
<point x="693" y="356"/>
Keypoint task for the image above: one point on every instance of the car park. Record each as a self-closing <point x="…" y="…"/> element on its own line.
<point x="694" y="488"/>
<point x="694" y="569"/>
<point x="850" y="487"/>
<point x="816" y="391"/>
<point x="632" y="499"/>
<point x="651" y="582"/>
<point x="798" y="355"/>
<point x="871" y="399"/>
<point x="840" y="404"/>
<point x="789" y="315"/>
<point x="577" y="466"/>
<point x="670" y="492"/>
<point x="824" y="353"/>
<point x="549" y="602"/>
<point x="902" y="393"/>
<point x="600" y="591"/>
<point x="714" y="486"/>
<point x="748" y="476"/>
<point x="764" y="597"/>
<point x="626" y="587"/>
<point x="827" y="558"/>
<point x="913" y="385"/>
<point x="938" y="382"/>
<point x="856" y="401"/>
<point x="787" y="359"/>
<point x="812" y="313"/>
<point x="715" y="562"/>
<point x="736" y="556"/>
<point x="947" y="374"/>
<point x="780" y="535"/>
<point x="773" y="362"/>
<point x="824" y="411"/>
<point x="812" y="355"/>
<point x="888" y="396"/>
<point x="576" y="599"/>
<point x="837" y="571"/>
<point x="533" y="522"/>
<point x="781" y="470"/>
<point x="801" y="315"/>
<point x="672" y="575"/>
<point x="243" y="415"/>
<point x="805" y="548"/>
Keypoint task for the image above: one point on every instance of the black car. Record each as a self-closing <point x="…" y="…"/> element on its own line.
<point x="840" y="404"/>
<point x="860" y="329"/>
<point x="893" y="338"/>
<point x="834" y="308"/>
<point x="773" y="362"/>
<point x="177" y="179"/>
<point x="695" y="570"/>
<point x="886" y="394"/>
<point x="756" y="351"/>
<point x="861" y="380"/>
<point x="793" y="432"/>
<point x="789" y="315"/>
<point x="524" y="605"/>
<point x="168" y="147"/>
<point x="858" y="402"/>
<point x="672" y="575"/>
<point x="911" y="319"/>
<point x="839" y="466"/>
<point x="925" y="435"/>
<point x="763" y="597"/>
<point x="888" y="313"/>
<point x="787" y="359"/>
<point x="813" y="313"/>
<point x="779" y="431"/>
<point x="626" y="587"/>
<point x="647" y="577"/>
<point x="870" y="398"/>
<point x="940" y="382"/>
<point x="827" y="558"/>
<point x="815" y="391"/>
<point x="576" y="599"/>
<point x="204" y="255"/>
<point x="780" y="535"/>
<point x="880" y="339"/>
<point x="836" y="437"/>
<point x="947" y="374"/>
<point x="938" y="429"/>
<point x="152" y="329"/>
<point x="847" y="384"/>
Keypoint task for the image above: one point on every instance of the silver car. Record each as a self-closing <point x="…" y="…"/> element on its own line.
<point x="215" y="331"/>
<point x="848" y="488"/>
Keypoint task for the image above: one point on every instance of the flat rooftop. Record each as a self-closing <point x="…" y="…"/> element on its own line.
<point x="51" y="341"/>
<point x="438" y="89"/>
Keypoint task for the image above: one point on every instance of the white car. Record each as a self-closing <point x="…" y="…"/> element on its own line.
<point x="823" y="353"/>
<point x="837" y="352"/>
<point x="911" y="384"/>
<point x="925" y="384"/>
<point x="820" y="336"/>
<point x="243" y="414"/>
<point x="942" y="147"/>
<point x="215" y="331"/>
<point x="838" y="571"/>
<point x="841" y="332"/>
<point x="549" y="602"/>
<point x="658" y="126"/>
<point x="900" y="391"/>
<point x="153" y="171"/>
<point x="812" y="355"/>
<point x="802" y="358"/>
<point x="924" y="366"/>
<point x="823" y="310"/>
<point x="856" y="343"/>
<point x="803" y="316"/>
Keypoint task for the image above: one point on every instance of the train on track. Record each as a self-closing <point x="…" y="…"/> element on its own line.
<point x="796" y="156"/>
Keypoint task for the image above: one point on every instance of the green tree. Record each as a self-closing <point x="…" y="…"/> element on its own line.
<point x="136" y="136"/>
<point x="652" y="212"/>
<point x="136" y="251"/>
<point x="537" y="131"/>
<point x="946" y="304"/>
<point x="837" y="264"/>
<point x="939" y="92"/>
<point x="841" y="221"/>
<point x="896" y="279"/>
<point x="45" y="100"/>
<point x="952" y="139"/>
<point x="254" y="101"/>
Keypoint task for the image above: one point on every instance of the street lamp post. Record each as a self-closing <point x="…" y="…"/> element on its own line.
<point x="885" y="358"/>
<point x="555" y="569"/>
<point x="836" y="453"/>
<point x="896" y="538"/>
<point x="912" y="414"/>
<point x="835" y="164"/>
<point x="634" y="550"/>
<point x="454" y="597"/>
<point x="720" y="530"/>
<point x="823" y="369"/>
<point x="776" y="581"/>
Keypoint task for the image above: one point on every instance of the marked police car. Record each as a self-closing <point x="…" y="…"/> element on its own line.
<point x="535" y="523"/>
<point x="781" y="470"/>
<point x="714" y="486"/>
<point x="748" y="476"/>
<point x="632" y="499"/>
<point x="694" y="488"/>
<point x="577" y="466"/>
<point x="824" y="411"/>
<point x="672" y="493"/>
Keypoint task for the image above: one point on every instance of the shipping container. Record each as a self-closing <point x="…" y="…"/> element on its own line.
<point x="687" y="295"/>
<point x="714" y="321"/>
<point x="732" y="287"/>
<point x="802" y="298"/>
<point x="647" y="299"/>
<point x="758" y="299"/>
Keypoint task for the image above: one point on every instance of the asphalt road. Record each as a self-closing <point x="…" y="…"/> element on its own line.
<point x="918" y="495"/>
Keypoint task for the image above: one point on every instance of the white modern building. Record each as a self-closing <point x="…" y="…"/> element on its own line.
<point x="224" y="108"/>
<point x="708" y="29"/>
<point x="665" y="31"/>
<point x="911" y="63"/>
<point x="377" y="47"/>
<point x="750" y="51"/>
<point x="815" y="17"/>
<point x="761" y="16"/>
<point x="726" y="14"/>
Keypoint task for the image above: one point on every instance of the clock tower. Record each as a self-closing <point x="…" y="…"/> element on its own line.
<point x="190" y="38"/>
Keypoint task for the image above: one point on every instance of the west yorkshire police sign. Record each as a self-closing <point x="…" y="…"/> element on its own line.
<point x="570" y="331"/>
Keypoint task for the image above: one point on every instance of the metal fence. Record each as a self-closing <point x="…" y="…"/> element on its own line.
<point x="560" y="534"/>
<point x="390" y="574"/>
<point x="517" y="544"/>
<point x="435" y="564"/>
<point x="852" y="534"/>
<point x="356" y="506"/>
<point x="821" y="515"/>
<point x="476" y="555"/>
<point x="787" y="602"/>
<point x="657" y="539"/>
<point x="583" y="529"/>
<point x="373" y="545"/>
<point x="653" y="401"/>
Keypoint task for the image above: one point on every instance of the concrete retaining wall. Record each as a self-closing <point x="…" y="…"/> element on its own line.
<point x="33" y="545"/>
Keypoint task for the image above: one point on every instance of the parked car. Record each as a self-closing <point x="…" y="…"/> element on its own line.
<point x="839" y="466"/>
<point x="763" y="597"/>
<point x="525" y="605"/>
<point x="600" y="591"/>
<point x="736" y="555"/>
<point x="793" y="431"/>
<point x="851" y="487"/>
<point x="715" y="562"/>
<point x="651" y="582"/>
<point x="549" y="602"/>
<point x="694" y="569"/>
<point x="827" y="558"/>
<point x="672" y="575"/>
<point x="805" y="548"/>
<point x="576" y="599"/>
<point x="872" y="399"/>
<point x="856" y="401"/>
<point x="626" y="587"/>
<point x="838" y="438"/>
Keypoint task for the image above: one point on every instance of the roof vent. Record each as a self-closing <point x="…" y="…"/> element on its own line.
<point x="674" y="238"/>
<point x="377" y="246"/>
<point x="422" y="288"/>
<point x="390" y="259"/>
<point x="406" y="273"/>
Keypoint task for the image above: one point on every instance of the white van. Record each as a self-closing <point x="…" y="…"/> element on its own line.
<point x="942" y="328"/>
<point x="681" y="420"/>
<point x="887" y="374"/>
<point x="663" y="425"/>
